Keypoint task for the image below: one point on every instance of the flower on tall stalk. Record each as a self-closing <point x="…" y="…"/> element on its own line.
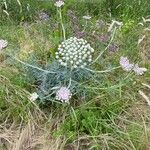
<point x="63" y="94"/>
<point x="125" y="64"/>
<point x="59" y="3"/>
<point x="102" y="38"/>
<point x="74" y="53"/>
<point x="138" y="70"/>
<point x="3" y="44"/>
<point x="87" y="17"/>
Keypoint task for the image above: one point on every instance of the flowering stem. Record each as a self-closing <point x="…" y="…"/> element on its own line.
<point x="105" y="88"/>
<point x="113" y="34"/>
<point x="62" y="25"/>
<point x="103" y="71"/>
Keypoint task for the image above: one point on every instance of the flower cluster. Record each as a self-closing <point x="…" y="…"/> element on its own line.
<point x="63" y="94"/>
<point x="59" y="3"/>
<point x="3" y="44"/>
<point x="74" y="53"/>
<point x="127" y="66"/>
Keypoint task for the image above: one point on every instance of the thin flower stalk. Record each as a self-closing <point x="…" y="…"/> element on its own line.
<point x="61" y="22"/>
<point x="113" y="35"/>
<point x="102" y="71"/>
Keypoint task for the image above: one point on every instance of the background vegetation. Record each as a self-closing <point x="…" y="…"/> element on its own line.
<point x="116" y="117"/>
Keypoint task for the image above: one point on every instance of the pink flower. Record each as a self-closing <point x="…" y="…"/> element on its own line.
<point x="138" y="70"/>
<point x="63" y="94"/>
<point x="104" y="38"/>
<point x="125" y="64"/>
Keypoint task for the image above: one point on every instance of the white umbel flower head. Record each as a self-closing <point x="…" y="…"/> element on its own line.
<point x="74" y="53"/>
<point x="63" y="94"/>
<point x="59" y="3"/>
<point x="3" y="44"/>
<point x="33" y="96"/>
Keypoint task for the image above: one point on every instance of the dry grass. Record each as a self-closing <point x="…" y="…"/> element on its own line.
<point x="145" y="46"/>
<point x="28" y="137"/>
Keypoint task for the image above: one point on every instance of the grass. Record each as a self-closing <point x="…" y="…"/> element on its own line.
<point x="114" y="116"/>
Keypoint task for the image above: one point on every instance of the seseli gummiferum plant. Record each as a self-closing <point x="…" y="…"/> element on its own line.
<point x="71" y="68"/>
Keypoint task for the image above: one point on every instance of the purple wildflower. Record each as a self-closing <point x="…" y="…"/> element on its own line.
<point x="80" y="34"/>
<point x="104" y="38"/>
<point x="138" y="70"/>
<point x="63" y="94"/>
<point x="113" y="47"/>
<point x="125" y="64"/>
